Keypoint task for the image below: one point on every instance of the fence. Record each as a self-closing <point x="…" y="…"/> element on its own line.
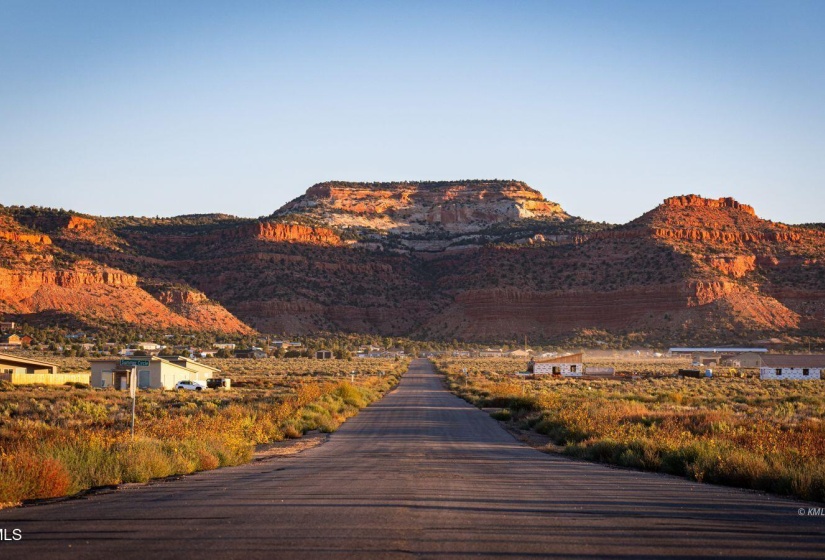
<point x="45" y="378"/>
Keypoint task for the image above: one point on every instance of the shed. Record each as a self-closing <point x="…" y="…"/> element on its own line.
<point x="323" y="355"/>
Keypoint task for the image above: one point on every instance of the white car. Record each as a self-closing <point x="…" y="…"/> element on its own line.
<point x="189" y="386"/>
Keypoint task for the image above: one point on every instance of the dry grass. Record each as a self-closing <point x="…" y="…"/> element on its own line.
<point x="765" y="435"/>
<point x="61" y="440"/>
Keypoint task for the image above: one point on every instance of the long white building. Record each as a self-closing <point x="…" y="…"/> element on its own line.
<point x="571" y="365"/>
<point x="779" y="366"/>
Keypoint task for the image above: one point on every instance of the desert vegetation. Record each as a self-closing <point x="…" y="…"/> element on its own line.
<point x="56" y="441"/>
<point x="763" y="435"/>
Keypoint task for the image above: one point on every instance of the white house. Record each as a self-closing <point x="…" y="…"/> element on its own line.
<point x="778" y="366"/>
<point x="571" y="365"/>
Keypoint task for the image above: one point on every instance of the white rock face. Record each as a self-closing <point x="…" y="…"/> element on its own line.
<point x="454" y="207"/>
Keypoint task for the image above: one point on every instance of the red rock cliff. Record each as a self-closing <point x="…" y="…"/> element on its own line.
<point x="701" y="202"/>
<point x="269" y="231"/>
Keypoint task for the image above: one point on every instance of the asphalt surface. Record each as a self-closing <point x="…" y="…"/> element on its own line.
<point x="418" y="474"/>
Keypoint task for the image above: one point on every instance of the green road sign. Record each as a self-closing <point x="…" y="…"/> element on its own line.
<point x="134" y="363"/>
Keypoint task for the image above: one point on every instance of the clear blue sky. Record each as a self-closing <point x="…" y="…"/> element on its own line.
<point x="169" y="107"/>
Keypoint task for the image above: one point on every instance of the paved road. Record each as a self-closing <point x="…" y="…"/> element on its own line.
<point x="419" y="474"/>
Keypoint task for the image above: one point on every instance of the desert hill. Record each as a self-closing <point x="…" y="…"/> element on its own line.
<point x="473" y="260"/>
<point x="65" y="273"/>
<point x="691" y="269"/>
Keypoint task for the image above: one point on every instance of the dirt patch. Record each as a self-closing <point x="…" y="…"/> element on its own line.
<point x="290" y="446"/>
<point x="533" y="439"/>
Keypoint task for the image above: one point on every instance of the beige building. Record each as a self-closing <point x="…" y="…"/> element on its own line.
<point x="571" y="365"/>
<point x="152" y="372"/>
<point x="745" y="360"/>
<point x="27" y="371"/>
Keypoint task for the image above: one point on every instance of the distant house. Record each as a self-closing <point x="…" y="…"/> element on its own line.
<point x="253" y="353"/>
<point x="152" y="372"/>
<point x="150" y="346"/>
<point x="491" y="353"/>
<point x="11" y="340"/>
<point x="520" y="353"/>
<point x="707" y="361"/>
<point x="323" y="355"/>
<point x="744" y="360"/>
<point x="779" y="366"/>
<point x="7" y="325"/>
<point x="570" y="365"/>
<point x="224" y="346"/>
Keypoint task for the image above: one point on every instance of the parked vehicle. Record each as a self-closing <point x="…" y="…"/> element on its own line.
<point x="189" y="386"/>
<point x="218" y="383"/>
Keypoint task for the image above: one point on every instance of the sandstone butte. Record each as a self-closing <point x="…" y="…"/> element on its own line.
<point x="472" y="260"/>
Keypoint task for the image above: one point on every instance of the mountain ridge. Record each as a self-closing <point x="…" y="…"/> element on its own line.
<point x="502" y="261"/>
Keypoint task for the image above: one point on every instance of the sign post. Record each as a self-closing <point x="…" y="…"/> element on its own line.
<point x="133" y="384"/>
<point x="133" y="394"/>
